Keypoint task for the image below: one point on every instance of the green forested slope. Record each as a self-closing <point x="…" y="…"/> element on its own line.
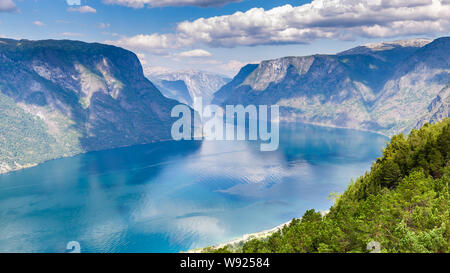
<point x="23" y="137"/>
<point x="402" y="203"/>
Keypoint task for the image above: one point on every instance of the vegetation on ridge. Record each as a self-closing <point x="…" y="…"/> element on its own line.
<point x="402" y="203"/>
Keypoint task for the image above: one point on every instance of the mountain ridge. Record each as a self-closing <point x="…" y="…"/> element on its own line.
<point x="369" y="90"/>
<point x="199" y="84"/>
<point x="87" y="96"/>
<point x="60" y="97"/>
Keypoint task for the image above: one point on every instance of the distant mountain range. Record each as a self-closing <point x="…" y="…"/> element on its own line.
<point x="388" y="87"/>
<point x="187" y="86"/>
<point x="61" y="98"/>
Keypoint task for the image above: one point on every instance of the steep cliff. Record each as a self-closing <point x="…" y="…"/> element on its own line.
<point x="67" y="97"/>
<point x="384" y="87"/>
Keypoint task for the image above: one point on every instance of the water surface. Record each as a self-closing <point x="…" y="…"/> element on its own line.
<point x="174" y="196"/>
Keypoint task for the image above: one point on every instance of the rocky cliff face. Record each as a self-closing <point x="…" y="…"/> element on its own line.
<point x="385" y="87"/>
<point x="60" y="98"/>
<point x="176" y="90"/>
<point x="438" y="108"/>
<point x="199" y="84"/>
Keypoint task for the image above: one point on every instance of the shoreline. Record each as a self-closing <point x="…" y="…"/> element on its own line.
<point x="337" y="127"/>
<point x="32" y="165"/>
<point x="238" y="242"/>
<point x="243" y="239"/>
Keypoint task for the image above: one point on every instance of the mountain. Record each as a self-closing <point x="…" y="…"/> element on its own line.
<point x="228" y="89"/>
<point x="176" y="90"/>
<point x="61" y="98"/>
<point x="173" y="84"/>
<point x="384" y="87"/>
<point x="438" y="108"/>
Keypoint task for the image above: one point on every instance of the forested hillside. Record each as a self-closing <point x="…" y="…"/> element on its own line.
<point x="402" y="203"/>
<point x="24" y="137"/>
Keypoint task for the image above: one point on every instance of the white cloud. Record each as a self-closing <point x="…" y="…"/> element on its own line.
<point x="73" y="2"/>
<point x="7" y="5"/>
<point x="196" y="53"/>
<point x="72" y="34"/>
<point x="229" y="69"/>
<point x="38" y="23"/>
<point x="167" y="3"/>
<point x="82" y="9"/>
<point x="156" y="44"/>
<point x="103" y="25"/>
<point x="233" y="66"/>
<point x="156" y="70"/>
<point x="329" y="19"/>
<point x="142" y="58"/>
<point x="337" y="19"/>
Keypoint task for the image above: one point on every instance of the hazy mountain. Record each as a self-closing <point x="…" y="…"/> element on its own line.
<point x="199" y="84"/>
<point x="176" y="90"/>
<point x="385" y="87"/>
<point x="60" y="98"/>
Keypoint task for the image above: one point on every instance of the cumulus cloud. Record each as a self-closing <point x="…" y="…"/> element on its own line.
<point x="82" y="9"/>
<point x="156" y="44"/>
<point x="167" y="3"/>
<point x="7" y="5"/>
<point x="196" y="53"/>
<point x="38" y="23"/>
<point x="329" y="19"/>
<point x="337" y="19"/>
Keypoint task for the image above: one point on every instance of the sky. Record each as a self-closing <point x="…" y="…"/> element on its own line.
<point x="221" y="36"/>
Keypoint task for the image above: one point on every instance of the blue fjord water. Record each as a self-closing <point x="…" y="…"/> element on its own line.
<point x="175" y="196"/>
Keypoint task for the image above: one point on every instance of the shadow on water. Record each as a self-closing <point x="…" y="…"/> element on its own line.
<point x="143" y="161"/>
<point x="136" y="159"/>
<point x="172" y="196"/>
<point x="315" y="143"/>
<point x="89" y="198"/>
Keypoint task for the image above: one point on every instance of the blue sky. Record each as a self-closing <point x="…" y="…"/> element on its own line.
<point x="199" y="34"/>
